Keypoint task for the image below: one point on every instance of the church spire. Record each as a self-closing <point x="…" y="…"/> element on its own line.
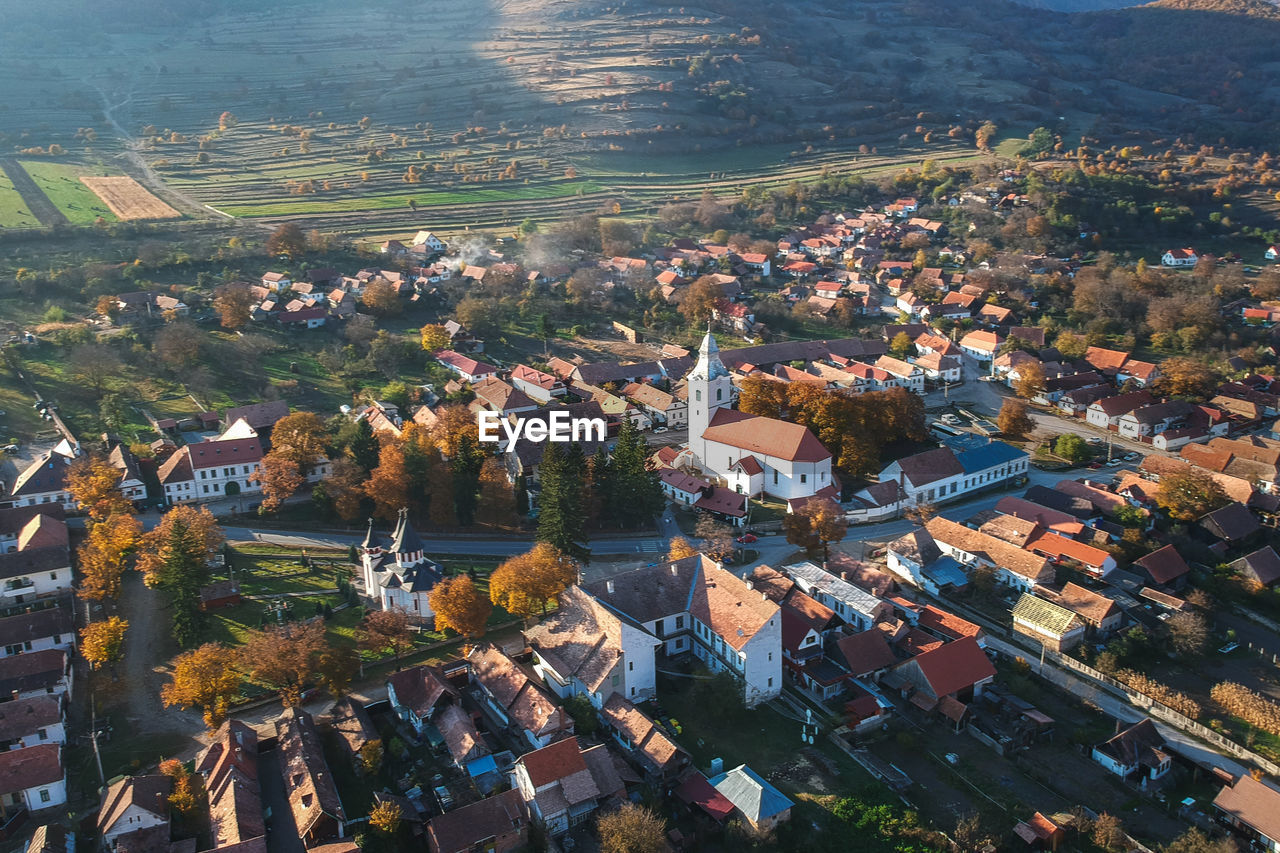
<point x="709" y="365"/>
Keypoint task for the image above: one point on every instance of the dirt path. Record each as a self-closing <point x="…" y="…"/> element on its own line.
<point x="141" y="674"/>
<point x="37" y="202"/>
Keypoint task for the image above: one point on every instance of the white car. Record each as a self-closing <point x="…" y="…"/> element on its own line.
<point x="659" y="430"/>
<point x="950" y="419"/>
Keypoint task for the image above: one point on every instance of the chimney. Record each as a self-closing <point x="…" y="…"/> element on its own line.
<point x="609" y="586"/>
<point x="750" y="584"/>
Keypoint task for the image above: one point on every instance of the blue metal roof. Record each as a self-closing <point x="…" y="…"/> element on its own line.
<point x="989" y="456"/>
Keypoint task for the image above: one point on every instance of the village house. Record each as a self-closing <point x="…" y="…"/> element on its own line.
<point x="1106" y="413"/>
<point x="417" y="693"/>
<point x="135" y="813"/>
<point x="663" y="408"/>
<point x="1179" y="258"/>
<point x="31" y="674"/>
<point x="761" y="805"/>
<point x="308" y="780"/>
<point x="1138" y="750"/>
<point x="1011" y="565"/>
<point x="981" y="345"/>
<point x="37" y="630"/>
<point x="539" y="386"/>
<point x="498" y="824"/>
<point x="694" y="605"/>
<point x="563" y="784"/>
<point x="213" y="469"/>
<point x="44" y="480"/>
<point x="35" y="554"/>
<point x="469" y="369"/>
<point x="512" y="697"/>
<point x="946" y="678"/>
<point x="1054" y="627"/>
<point x="229" y="766"/>
<point x="658" y="757"/>
<point x="32" y="778"/>
<point x="1252" y="808"/>
<point x="852" y="604"/>
<point x="31" y="722"/>
<point x="586" y="649"/>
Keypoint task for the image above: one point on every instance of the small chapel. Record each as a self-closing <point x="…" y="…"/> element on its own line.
<point x="399" y="574"/>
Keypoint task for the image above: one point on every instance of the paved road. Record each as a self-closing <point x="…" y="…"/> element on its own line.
<point x="651" y="543"/>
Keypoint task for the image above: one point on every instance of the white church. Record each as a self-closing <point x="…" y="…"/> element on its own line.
<point x="400" y="575"/>
<point x="752" y="453"/>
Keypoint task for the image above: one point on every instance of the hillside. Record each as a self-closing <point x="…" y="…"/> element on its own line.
<point x="342" y="110"/>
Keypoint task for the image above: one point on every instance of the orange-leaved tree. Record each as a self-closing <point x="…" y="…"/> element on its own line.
<point x="460" y="607"/>
<point x="524" y="585"/>
<point x="206" y="678"/>
<point x="284" y="657"/>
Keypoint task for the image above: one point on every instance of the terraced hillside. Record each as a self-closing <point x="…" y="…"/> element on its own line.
<point x="364" y="116"/>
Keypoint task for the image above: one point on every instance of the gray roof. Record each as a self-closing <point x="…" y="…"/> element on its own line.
<point x="810" y="576"/>
<point x="750" y="794"/>
<point x="36" y="625"/>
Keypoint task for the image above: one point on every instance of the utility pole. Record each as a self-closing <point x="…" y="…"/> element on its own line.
<point x="93" y="736"/>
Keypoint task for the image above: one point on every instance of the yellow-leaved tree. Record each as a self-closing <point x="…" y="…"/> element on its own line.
<point x="524" y="585"/>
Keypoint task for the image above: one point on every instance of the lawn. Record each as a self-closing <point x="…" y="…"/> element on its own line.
<point x="429" y="198"/>
<point x="13" y="210"/>
<point x="61" y="183"/>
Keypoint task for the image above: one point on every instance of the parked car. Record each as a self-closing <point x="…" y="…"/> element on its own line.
<point x="659" y="430"/>
<point x="1094" y="466"/>
<point x="1094" y="440"/>
<point x="1229" y="648"/>
<point x="950" y="419"/>
<point x="1130" y="457"/>
<point x="747" y="538"/>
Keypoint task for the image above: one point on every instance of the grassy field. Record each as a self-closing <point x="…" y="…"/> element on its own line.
<point x="61" y="183"/>
<point x="13" y="210"/>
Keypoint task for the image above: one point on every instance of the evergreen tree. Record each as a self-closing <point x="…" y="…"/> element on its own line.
<point x="562" y="505"/>
<point x="602" y="507"/>
<point x="364" y="447"/>
<point x="465" y="468"/>
<point x="183" y="570"/>
<point x="522" y="496"/>
<point x="636" y="491"/>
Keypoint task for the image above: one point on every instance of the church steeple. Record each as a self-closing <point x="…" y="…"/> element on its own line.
<point x="709" y="365"/>
<point x="709" y="388"/>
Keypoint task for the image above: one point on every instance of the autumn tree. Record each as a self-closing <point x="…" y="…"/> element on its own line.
<point x="103" y="642"/>
<point x="94" y="483"/>
<point x="1030" y="380"/>
<point x="700" y="298"/>
<point x="1189" y="494"/>
<point x="95" y="365"/>
<point x="385" y="817"/>
<point x="434" y="337"/>
<point x="188" y="794"/>
<point x="716" y="536"/>
<point x="1186" y="377"/>
<point x="371" y="756"/>
<point x="388" y="484"/>
<point x="497" y="501"/>
<point x="984" y="134"/>
<point x="175" y="557"/>
<point x="460" y="607"/>
<point x="818" y="523"/>
<point x="234" y="304"/>
<point x="524" y="585"/>
<point x="760" y="394"/>
<point x="1195" y="841"/>
<point x="103" y="554"/>
<point x="284" y="657"/>
<point x="381" y="298"/>
<point x="1014" y="421"/>
<point x="1108" y="833"/>
<point x="901" y="345"/>
<point x="386" y="631"/>
<point x="335" y="669"/>
<point x="345" y="488"/>
<point x="287" y="241"/>
<point x="279" y="478"/>
<point x="1189" y="632"/>
<point x="204" y="678"/>
<point x="680" y="548"/>
<point x="632" y="829"/>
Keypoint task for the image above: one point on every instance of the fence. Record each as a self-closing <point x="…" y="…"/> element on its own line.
<point x="1163" y="712"/>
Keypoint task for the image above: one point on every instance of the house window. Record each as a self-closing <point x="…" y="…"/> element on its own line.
<point x="697" y="395"/>
<point x="43" y="734"/>
<point x="657" y="627"/>
<point x="44" y="795"/>
<point x="804" y="478"/>
<point x="53" y="576"/>
<point x="631" y="666"/>
<point x="719" y="394"/>
<point x="770" y="682"/>
<point x="679" y="623"/>
<point x="775" y="476"/>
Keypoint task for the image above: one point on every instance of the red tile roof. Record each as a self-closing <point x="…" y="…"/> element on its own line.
<point x="866" y="652"/>
<point x="953" y="667"/>
<point x="21" y="769"/>
<point x="766" y="436"/>
<point x="550" y="763"/>
<point x="1164" y="565"/>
